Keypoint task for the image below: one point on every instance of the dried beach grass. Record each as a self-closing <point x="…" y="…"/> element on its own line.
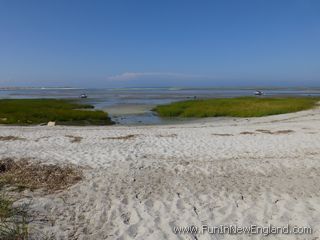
<point x="25" y="174"/>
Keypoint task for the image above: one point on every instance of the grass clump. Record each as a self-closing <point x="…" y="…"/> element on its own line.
<point x="236" y="107"/>
<point x="14" y="220"/>
<point x="37" y="111"/>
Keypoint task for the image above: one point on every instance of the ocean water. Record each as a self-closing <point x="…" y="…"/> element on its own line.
<point x="132" y="106"/>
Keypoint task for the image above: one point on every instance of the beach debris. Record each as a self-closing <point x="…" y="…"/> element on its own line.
<point x="51" y="124"/>
<point x="263" y="131"/>
<point x="283" y="131"/>
<point x="74" y="139"/>
<point x="185" y="163"/>
<point x="275" y="132"/>
<point x="126" y="218"/>
<point x="126" y="137"/>
<point x="195" y="210"/>
<point x="11" y="138"/>
<point x="247" y="133"/>
<point x="44" y="137"/>
<point x="222" y="134"/>
<point x="169" y="135"/>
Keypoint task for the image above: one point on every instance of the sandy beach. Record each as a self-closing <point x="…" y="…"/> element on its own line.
<point x="141" y="182"/>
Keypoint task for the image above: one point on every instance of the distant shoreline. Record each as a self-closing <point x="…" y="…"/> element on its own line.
<point x="38" y="88"/>
<point x="173" y="88"/>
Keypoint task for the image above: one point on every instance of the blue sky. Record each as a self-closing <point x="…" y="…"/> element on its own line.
<point x="118" y="43"/>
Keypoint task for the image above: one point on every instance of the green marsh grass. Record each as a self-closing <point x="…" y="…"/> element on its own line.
<point x="37" y="111"/>
<point x="14" y="220"/>
<point x="236" y="107"/>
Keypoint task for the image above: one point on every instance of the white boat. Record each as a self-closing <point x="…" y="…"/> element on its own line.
<point x="258" y="93"/>
<point x="83" y="95"/>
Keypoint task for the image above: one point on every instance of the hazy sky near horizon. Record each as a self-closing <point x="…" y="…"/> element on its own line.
<point x="125" y="43"/>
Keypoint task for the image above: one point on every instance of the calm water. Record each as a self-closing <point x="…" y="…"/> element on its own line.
<point x="133" y="106"/>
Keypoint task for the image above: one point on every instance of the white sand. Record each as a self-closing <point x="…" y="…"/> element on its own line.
<point x="179" y="175"/>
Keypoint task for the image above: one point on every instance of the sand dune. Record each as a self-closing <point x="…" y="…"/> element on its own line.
<point x="234" y="171"/>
